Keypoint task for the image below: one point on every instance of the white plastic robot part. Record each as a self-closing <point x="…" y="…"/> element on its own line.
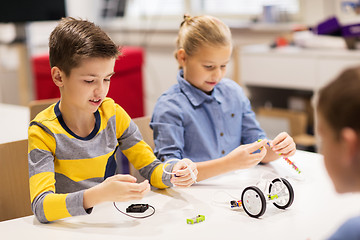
<point x="192" y="174"/>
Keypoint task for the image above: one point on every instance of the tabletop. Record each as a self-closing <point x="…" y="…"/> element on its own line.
<point x="316" y="212"/>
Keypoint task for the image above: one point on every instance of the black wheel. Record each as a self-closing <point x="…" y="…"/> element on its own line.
<point x="281" y="189"/>
<point x="253" y="201"/>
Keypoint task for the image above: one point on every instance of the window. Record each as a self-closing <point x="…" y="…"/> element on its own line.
<point x="144" y="8"/>
<point x="247" y="7"/>
<point x="138" y="8"/>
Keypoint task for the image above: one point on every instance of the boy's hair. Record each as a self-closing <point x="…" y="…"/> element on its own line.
<point x="198" y="31"/>
<point x="339" y="101"/>
<point x="74" y="40"/>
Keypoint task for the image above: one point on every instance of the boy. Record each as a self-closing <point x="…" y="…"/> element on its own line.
<point x="339" y="129"/>
<point x="72" y="143"/>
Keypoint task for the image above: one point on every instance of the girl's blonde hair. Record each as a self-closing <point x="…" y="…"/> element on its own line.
<point x="198" y="31"/>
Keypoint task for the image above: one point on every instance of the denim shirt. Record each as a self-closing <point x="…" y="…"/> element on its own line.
<point x="350" y="230"/>
<point x="189" y="123"/>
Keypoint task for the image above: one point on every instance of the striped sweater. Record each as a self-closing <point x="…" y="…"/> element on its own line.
<point x="62" y="165"/>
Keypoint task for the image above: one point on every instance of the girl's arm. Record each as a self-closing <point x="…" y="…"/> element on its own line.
<point x="242" y="157"/>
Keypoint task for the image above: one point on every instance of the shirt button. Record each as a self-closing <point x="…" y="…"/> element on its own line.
<point x="162" y="159"/>
<point x="233" y="115"/>
<point x="221" y="134"/>
<point x="223" y="152"/>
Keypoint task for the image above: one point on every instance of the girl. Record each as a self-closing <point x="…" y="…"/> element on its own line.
<point x="206" y="117"/>
<point x="338" y="127"/>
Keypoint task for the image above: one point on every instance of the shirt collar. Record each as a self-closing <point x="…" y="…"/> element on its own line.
<point x="195" y="95"/>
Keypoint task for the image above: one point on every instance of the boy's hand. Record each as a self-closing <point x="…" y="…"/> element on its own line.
<point x="117" y="188"/>
<point x="283" y="145"/>
<point x="121" y="188"/>
<point x="243" y="157"/>
<point x="185" y="172"/>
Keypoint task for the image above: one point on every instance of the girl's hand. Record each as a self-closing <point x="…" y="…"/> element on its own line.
<point x="185" y="173"/>
<point x="243" y="157"/>
<point x="283" y="145"/>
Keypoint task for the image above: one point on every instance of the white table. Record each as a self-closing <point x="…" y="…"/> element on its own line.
<point x="316" y="211"/>
<point x="14" y="122"/>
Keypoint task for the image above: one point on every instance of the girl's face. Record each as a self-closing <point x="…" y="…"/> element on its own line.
<point x="206" y="67"/>
<point x="334" y="153"/>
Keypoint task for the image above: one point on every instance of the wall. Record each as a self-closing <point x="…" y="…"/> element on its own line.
<point x="9" y="62"/>
<point x="158" y="38"/>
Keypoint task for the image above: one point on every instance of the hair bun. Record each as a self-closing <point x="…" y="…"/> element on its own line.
<point x="187" y="18"/>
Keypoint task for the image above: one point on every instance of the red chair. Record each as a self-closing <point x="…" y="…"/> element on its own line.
<point x="126" y="84"/>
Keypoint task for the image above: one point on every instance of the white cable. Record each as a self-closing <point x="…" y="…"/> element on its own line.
<point x="192" y="174"/>
<point x="262" y="179"/>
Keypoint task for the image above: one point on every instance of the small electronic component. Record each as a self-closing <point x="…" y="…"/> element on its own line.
<point x="197" y="219"/>
<point x="235" y="203"/>
<point x="293" y="165"/>
<point x="286" y="159"/>
<point x="137" y="208"/>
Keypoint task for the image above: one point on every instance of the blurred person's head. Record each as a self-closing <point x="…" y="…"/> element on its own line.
<point x="338" y="126"/>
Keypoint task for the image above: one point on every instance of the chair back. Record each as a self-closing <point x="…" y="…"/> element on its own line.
<point x="36" y="106"/>
<point x="146" y="131"/>
<point x="14" y="180"/>
<point x="147" y="134"/>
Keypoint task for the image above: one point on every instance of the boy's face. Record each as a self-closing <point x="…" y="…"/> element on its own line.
<point x="334" y="152"/>
<point x="206" y="67"/>
<point x="88" y="84"/>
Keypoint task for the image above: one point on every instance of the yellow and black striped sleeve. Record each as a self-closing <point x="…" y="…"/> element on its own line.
<point x="46" y="204"/>
<point x="138" y="152"/>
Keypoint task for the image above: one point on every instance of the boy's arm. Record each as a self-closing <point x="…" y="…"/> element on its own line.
<point x="46" y="204"/>
<point x="116" y="188"/>
<point x="143" y="159"/>
<point x="139" y="153"/>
